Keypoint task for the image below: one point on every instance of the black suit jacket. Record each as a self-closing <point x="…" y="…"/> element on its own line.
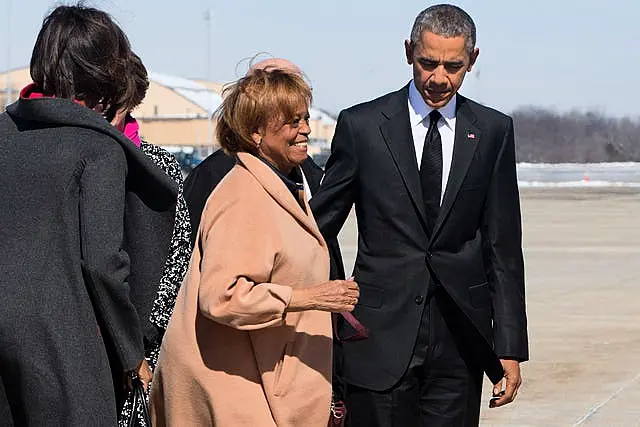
<point x="475" y="249"/>
<point x="206" y="176"/>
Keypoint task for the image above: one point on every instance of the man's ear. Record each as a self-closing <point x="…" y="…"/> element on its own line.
<point x="473" y="58"/>
<point x="408" y="50"/>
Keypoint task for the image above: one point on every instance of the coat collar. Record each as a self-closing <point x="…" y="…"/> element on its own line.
<point x="396" y="131"/>
<point x="144" y="177"/>
<point x="274" y="186"/>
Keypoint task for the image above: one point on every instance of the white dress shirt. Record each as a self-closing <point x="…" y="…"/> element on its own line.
<point x="307" y="189"/>
<point x="419" y="119"/>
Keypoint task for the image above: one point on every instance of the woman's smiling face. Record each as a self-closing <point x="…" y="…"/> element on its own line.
<point x="284" y="143"/>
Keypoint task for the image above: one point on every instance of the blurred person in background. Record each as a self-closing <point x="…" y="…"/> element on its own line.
<point x="69" y="332"/>
<point x="205" y="177"/>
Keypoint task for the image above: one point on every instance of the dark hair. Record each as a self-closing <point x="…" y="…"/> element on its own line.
<point x="136" y="88"/>
<point x="445" y="20"/>
<point x="256" y="101"/>
<point x="138" y="83"/>
<point x="82" y="53"/>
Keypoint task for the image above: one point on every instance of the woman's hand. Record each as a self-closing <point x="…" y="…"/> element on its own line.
<point x="334" y="296"/>
<point x="119" y="120"/>
<point x="145" y="374"/>
<point x="143" y="371"/>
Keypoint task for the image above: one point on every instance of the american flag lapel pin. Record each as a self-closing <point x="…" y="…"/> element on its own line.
<point x="471" y="135"/>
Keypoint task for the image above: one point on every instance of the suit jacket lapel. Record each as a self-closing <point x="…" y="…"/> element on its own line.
<point x="467" y="138"/>
<point x="397" y="134"/>
<point x="280" y="193"/>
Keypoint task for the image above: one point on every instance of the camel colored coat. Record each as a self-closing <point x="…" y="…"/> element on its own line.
<point x="232" y="355"/>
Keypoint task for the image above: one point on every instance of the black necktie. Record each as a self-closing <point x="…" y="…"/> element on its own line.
<point x="431" y="170"/>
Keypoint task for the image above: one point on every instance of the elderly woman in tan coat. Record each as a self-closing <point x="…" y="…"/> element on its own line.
<point x="249" y="343"/>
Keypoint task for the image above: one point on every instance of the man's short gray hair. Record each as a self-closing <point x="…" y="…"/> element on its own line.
<point x="445" y="20"/>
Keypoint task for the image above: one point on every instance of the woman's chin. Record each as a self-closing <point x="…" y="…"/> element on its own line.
<point x="298" y="153"/>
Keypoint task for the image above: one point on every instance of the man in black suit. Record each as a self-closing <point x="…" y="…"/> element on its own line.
<point x="432" y="175"/>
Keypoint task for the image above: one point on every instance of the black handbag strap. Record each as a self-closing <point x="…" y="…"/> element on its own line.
<point x="139" y="408"/>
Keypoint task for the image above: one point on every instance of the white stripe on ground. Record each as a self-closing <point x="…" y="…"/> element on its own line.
<point x="553" y="249"/>
<point x="599" y="406"/>
<point x="584" y="249"/>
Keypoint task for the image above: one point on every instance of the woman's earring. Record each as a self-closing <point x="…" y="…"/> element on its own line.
<point x="258" y="143"/>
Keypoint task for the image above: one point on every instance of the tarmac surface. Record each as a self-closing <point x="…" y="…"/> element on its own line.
<point x="582" y="257"/>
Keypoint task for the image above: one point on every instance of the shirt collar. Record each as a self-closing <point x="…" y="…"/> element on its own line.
<point x="420" y="110"/>
<point x="293" y="181"/>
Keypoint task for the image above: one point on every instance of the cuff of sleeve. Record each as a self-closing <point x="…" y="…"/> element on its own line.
<point x="511" y="357"/>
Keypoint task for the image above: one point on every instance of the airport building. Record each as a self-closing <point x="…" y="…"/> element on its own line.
<point x="176" y="112"/>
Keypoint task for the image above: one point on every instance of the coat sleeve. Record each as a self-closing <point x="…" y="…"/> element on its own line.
<point x="502" y="246"/>
<point x="105" y="265"/>
<point x="239" y="252"/>
<point x="335" y="197"/>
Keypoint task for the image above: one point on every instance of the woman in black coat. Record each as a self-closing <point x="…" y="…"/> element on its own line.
<point x="156" y="293"/>
<point x="70" y="185"/>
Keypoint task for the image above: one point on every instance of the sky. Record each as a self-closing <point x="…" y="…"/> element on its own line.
<point x="559" y="54"/>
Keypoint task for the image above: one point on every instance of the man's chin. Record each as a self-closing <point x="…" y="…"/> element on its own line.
<point x="437" y="100"/>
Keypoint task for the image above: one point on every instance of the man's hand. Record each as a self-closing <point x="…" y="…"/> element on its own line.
<point x="511" y="382"/>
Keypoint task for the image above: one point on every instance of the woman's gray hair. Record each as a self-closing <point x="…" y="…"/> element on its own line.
<point x="445" y="20"/>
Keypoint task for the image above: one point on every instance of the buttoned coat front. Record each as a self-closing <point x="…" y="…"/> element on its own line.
<point x="232" y="354"/>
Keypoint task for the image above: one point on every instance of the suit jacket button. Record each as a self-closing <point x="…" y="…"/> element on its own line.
<point x="419" y="299"/>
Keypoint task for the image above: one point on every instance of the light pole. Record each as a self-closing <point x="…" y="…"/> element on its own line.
<point x="207" y="18"/>
<point x="8" y="88"/>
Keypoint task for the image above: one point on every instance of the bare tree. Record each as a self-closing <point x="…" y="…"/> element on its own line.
<point x="544" y="136"/>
